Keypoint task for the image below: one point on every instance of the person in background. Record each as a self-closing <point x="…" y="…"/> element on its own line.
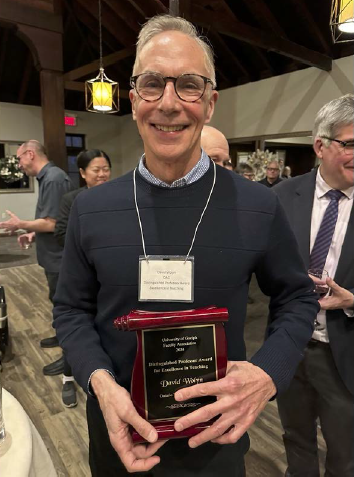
<point x="286" y="174"/>
<point x="53" y="183"/>
<point x="95" y="168"/>
<point x="246" y="171"/>
<point x="174" y="194"/>
<point x="215" y="145"/>
<point x="319" y="206"/>
<point x="272" y="175"/>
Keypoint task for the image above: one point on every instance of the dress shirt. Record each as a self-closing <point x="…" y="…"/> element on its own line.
<point x="320" y="204"/>
<point x="193" y="175"/>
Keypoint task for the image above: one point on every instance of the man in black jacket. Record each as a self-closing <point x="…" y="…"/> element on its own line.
<point x="272" y="175"/>
<point x="323" y="386"/>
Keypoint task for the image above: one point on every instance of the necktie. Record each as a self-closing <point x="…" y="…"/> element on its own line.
<point x="325" y="234"/>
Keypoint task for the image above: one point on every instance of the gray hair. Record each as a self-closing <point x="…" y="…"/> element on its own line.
<point x="332" y="116"/>
<point x="36" y="146"/>
<point x="162" y="23"/>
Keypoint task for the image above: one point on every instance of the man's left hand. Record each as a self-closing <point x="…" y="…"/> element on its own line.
<point x="241" y="395"/>
<point x="13" y="224"/>
<point x="339" y="298"/>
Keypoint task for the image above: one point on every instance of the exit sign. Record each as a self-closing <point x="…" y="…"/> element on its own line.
<point x="70" y="120"/>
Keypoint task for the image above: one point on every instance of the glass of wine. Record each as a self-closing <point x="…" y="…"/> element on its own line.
<point x="319" y="277"/>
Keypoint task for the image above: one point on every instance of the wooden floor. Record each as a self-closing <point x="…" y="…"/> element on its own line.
<point x="64" y="430"/>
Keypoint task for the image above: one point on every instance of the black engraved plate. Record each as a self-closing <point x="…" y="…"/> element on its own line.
<point x="174" y="358"/>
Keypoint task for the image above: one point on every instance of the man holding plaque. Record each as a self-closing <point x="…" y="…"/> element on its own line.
<point x="177" y="233"/>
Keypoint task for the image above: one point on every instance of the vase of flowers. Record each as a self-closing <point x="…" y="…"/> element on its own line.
<point x="10" y="170"/>
<point x="259" y="160"/>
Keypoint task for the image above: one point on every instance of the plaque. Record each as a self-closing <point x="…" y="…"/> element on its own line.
<point x="174" y="350"/>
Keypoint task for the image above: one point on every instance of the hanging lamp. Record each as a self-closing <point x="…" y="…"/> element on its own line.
<point x="101" y="93"/>
<point x="342" y="21"/>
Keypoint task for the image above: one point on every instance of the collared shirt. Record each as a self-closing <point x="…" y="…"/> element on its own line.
<point x="193" y="175"/>
<point x="320" y="204"/>
<point x="53" y="184"/>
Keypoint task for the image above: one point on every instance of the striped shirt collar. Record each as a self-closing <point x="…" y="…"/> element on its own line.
<point x="193" y="175"/>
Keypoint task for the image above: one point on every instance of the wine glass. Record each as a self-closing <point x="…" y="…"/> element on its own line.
<point x="319" y="277"/>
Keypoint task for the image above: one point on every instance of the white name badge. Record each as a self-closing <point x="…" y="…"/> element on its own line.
<point x="166" y="278"/>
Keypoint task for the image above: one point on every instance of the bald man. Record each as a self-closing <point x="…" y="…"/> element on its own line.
<point x="215" y="145"/>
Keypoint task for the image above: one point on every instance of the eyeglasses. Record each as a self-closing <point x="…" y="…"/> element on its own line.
<point x="248" y="175"/>
<point x="24" y="152"/>
<point x="188" y="87"/>
<point x="272" y="169"/>
<point x="348" y="146"/>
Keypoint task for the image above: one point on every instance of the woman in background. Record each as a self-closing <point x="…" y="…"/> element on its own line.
<point x="95" y="168"/>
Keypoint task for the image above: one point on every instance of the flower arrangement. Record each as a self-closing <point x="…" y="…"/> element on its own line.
<point x="259" y="160"/>
<point x="9" y="169"/>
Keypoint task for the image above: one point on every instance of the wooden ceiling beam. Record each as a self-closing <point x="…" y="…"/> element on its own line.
<point x="148" y="8"/>
<point x="180" y="8"/>
<point x="94" y="65"/>
<point x="117" y="70"/>
<point x="223" y="7"/>
<point x="263" y="39"/>
<point x="157" y="5"/>
<point x="137" y="8"/>
<point x="227" y="53"/>
<point x="264" y="16"/>
<point x="80" y="86"/>
<point x="111" y="23"/>
<point x="127" y="13"/>
<point x="307" y="20"/>
<point x="90" y="23"/>
<point x="14" y="12"/>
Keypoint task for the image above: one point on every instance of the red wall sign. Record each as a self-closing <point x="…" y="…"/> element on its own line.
<point x="70" y="120"/>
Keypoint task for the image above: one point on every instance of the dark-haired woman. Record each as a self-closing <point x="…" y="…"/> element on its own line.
<point x="95" y="168"/>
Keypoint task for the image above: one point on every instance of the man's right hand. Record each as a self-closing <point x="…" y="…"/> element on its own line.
<point x="25" y="240"/>
<point x="119" y="412"/>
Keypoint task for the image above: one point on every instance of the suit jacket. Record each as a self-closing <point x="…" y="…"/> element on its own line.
<point x="296" y="196"/>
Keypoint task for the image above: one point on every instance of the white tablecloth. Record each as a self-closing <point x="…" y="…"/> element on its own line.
<point x="23" y="453"/>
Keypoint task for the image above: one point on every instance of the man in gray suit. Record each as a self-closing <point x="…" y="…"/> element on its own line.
<point x="319" y="206"/>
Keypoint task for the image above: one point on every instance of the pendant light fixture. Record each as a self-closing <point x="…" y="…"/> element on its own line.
<point x="342" y="21"/>
<point x="101" y="93"/>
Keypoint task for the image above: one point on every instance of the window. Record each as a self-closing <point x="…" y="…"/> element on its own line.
<point x="75" y="143"/>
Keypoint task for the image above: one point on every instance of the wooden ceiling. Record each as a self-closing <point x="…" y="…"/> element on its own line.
<point x="252" y="40"/>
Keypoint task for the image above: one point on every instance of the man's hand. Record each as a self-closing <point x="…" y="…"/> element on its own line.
<point x="13" y="224"/>
<point x="25" y="240"/>
<point x="119" y="412"/>
<point x="339" y="298"/>
<point x="241" y="396"/>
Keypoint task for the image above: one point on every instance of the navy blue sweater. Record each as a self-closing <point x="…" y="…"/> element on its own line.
<point x="244" y="231"/>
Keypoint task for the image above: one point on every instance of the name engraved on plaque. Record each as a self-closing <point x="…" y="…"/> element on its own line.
<point x="174" y="358"/>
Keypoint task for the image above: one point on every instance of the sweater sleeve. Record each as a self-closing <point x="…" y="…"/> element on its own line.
<point x="75" y="308"/>
<point x="293" y="305"/>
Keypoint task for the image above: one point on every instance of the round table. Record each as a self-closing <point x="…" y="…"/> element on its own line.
<point x="23" y="453"/>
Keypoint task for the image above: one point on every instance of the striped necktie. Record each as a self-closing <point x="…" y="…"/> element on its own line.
<point x="325" y="234"/>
